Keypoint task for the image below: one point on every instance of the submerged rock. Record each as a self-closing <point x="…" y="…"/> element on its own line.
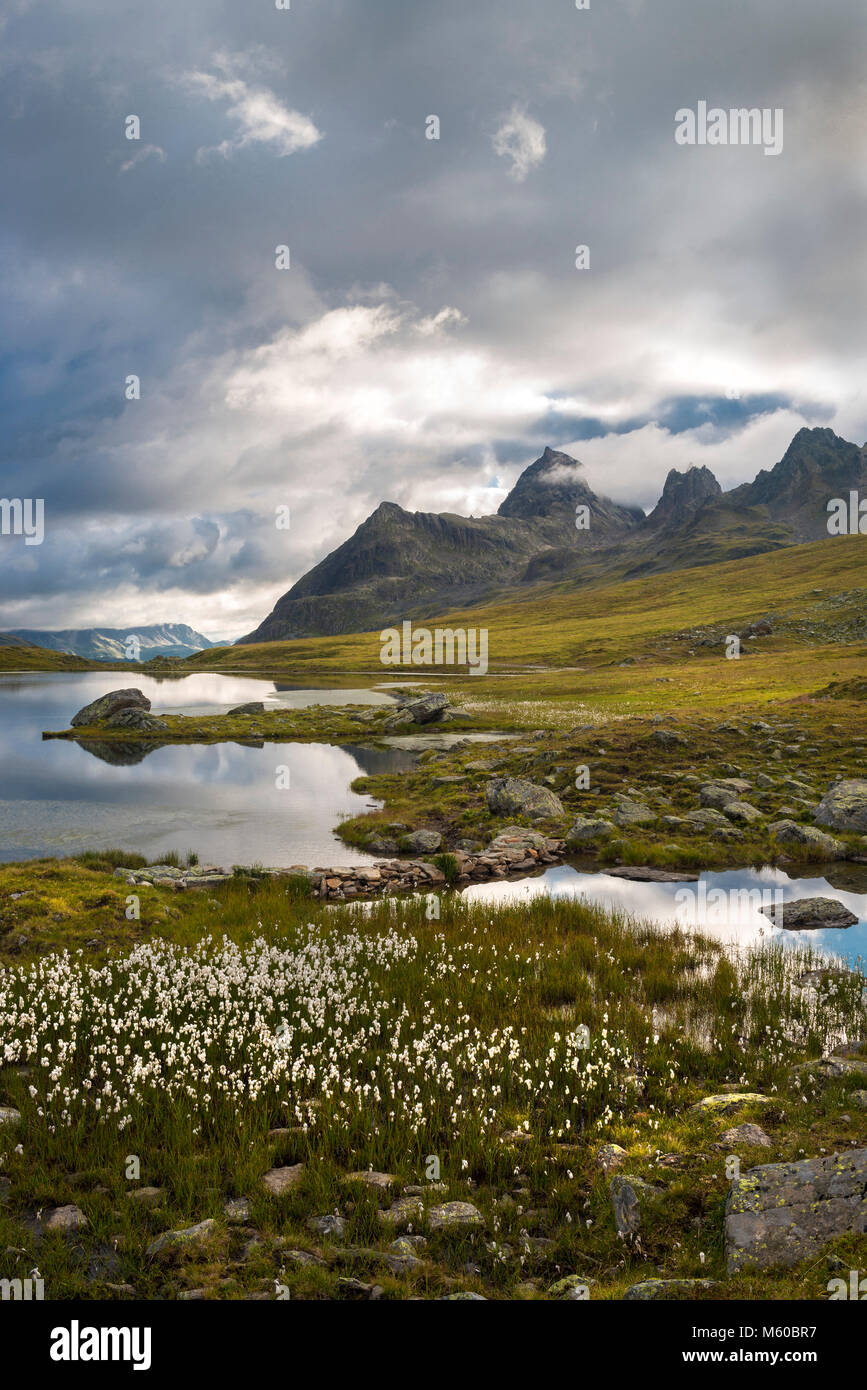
<point x="809" y="914"/>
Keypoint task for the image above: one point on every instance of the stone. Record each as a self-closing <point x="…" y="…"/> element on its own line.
<point x="329" y="1225"/>
<point x="574" y="1287"/>
<point x="727" y="1104"/>
<point x="237" y="1211"/>
<point x="252" y="707"/>
<point x="586" y="829"/>
<point x="791" y="832"/>
<point x="631" y="813"/>
<point x="9" y="1115"/>
<point x="426" y="709"/>
<point x="610" y="1156"/>
<point x="717" y="795"/>
<point x="809" y="914"/>
<point x="371" y="1179"/>
<point x="742" y="811"/>
<point x="279" y="1181"/>
<point x="783" y="1213"/>
<point x="667" y="738"/>
<point x="422" y="842"/>
<point x="860" y="1098"/>
<point x="844" y="806"/>
<point x="658" y="1289"/>
<point x="746" y="1136"/>
<point x="68" y="1218"/>
<point x="626" y="1192"/>
<point x="402" y="1212"/>
<point x="134" y="718"/>
<point x="172" y="1241"/>
<point x="106" y="705"/>
<point x="147" y="1196"/>
<point x="835" y="1068"/>
<point x="455" y="1214"/>
<point x="517" y="796"/>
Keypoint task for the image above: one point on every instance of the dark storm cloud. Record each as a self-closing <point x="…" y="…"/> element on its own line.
<point x="723" y="304"/>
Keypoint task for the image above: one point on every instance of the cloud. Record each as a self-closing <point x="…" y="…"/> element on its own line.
<point x="261" y="117"/>
<point x="146" y="152"/>
<point x="521" y="139"/>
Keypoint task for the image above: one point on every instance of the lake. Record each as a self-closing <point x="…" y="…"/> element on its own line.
<point x="220" y="800"/>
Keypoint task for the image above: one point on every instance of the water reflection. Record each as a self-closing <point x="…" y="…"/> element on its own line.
<point x="725" y="905"/>
<point x="220" y="800"/>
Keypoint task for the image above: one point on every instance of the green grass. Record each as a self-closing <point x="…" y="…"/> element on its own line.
<point x="670" y="1014"/>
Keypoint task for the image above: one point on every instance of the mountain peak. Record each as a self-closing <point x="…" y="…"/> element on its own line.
<point x="550" y="487"/>
<point x="684" y="493"/>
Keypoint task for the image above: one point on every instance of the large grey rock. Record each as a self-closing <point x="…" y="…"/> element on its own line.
<point x="421" y="842"/>
<point x="510" y="796"/>
<point x="844" y="807"/>
<point x="134" y="718"/>
<point x="717" y="795"/>
<point x="252" y="707"/>
<point x="9" y="1115"/>
<point x="791" y="832"/>
<point x="587" y="829"/>
<point x="743" y="811"/>
<point x="106" y="705"/>
<point x="785" y="1212"/>
<point x="426" y="709"/>
<point x="455" y="1214"/>
<point x="809" y="914"/>
<point x="630" y="813"/>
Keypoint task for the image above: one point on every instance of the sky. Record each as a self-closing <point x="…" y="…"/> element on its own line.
<point x="429" y="331"/>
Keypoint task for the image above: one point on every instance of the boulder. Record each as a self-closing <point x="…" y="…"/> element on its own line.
<point x="808" y="914"/>
<point x="745" y="1136"/>
<point x="844" y="806"/>
<point x="717" y="795"/>
<point x="783" y="1213"/>
<point x="726" y="1104"/>
<point x="791" y="832"/>
<point x="651" y="1290"/>
<point x="427" y="709"/>
<point x="630" y="813"/>
<point x="109" y="704"/>
<point x="134" y="718"/>
<point x="587" y="829"/>
<point x="454" y="1214"/>
<point x="421" y="842"/>
<point x="515" y="796"/>
<point x="743" y="811"/>
<point x="252" y="707"/>
<point x="9" y="1115"/>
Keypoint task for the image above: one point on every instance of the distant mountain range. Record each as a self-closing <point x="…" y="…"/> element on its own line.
<point x="401" y="564"/>
<point x="110" y="643"/>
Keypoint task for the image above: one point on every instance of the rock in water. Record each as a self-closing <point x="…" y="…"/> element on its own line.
<point x="109" y="704"/>
<point x="844" y="806"/>
<point x="515" y="796"/>
<point x="807" y="914"/>
<point x="134" y="718"/>
<point x="427" y="709"/>
<point x="785" y="1212"/>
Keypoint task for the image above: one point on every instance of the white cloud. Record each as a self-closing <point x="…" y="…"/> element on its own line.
<point x="261" y="117"/>
<point x="146" y="152"/>
<point x="521" y="139"/>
